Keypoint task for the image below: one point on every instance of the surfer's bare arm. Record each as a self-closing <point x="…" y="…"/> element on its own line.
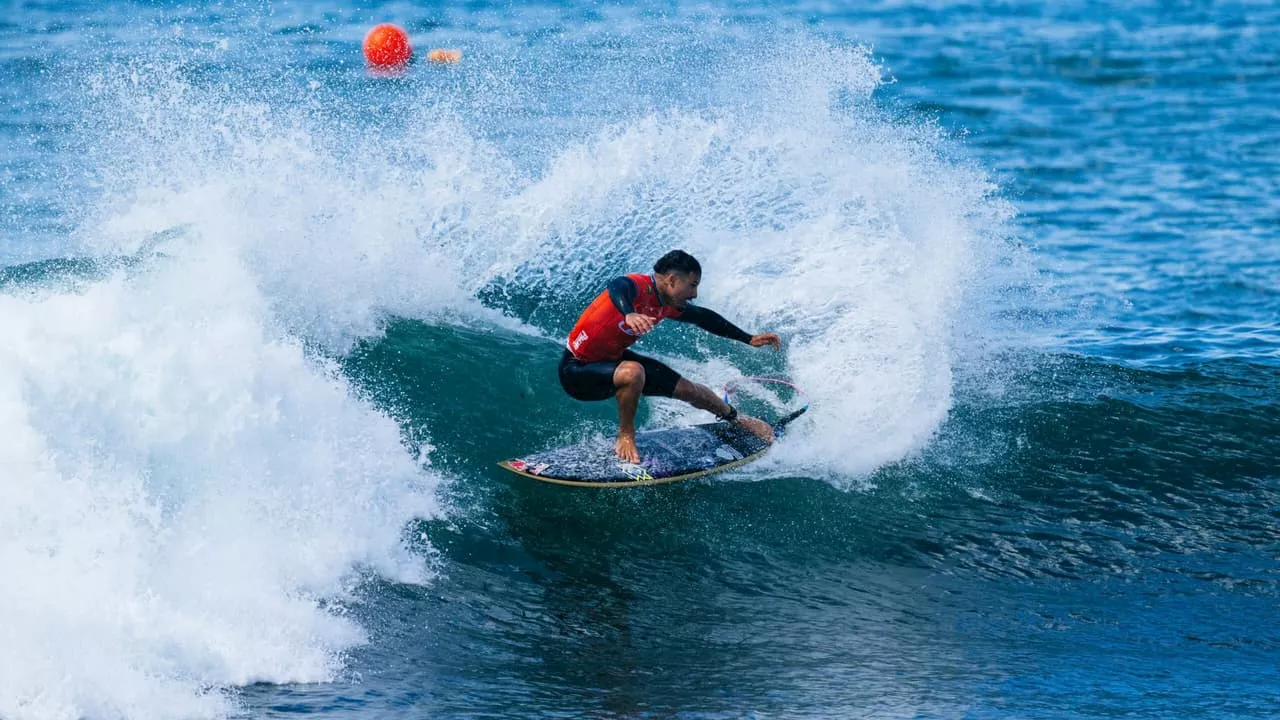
<point x="714" y="323"/>
<point x="622" y="291"/>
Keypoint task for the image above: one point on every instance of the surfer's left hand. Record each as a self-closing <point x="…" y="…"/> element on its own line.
<point x="766" y="339"/>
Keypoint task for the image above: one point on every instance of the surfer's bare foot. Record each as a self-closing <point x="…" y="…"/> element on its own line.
<point x="760" y="428"/>
<point x="626" y="449"/>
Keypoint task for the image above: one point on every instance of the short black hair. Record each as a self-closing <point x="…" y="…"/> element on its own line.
<point x="677" y="261"/>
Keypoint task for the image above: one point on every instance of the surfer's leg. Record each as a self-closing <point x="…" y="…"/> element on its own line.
<point x="701" y="397"/>
<point x="628" y="378"/>
<point x="659" y="379"/>
<point x="704" y="398"/>
<point x="587" y="381"/>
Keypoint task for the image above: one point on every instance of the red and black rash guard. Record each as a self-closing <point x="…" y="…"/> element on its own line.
<point x="601" y="333"/>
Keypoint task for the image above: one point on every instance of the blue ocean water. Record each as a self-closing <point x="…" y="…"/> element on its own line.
<point x="269" y="320"/>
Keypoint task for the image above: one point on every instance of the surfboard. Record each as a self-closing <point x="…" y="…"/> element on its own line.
<point x="667" y="455"/>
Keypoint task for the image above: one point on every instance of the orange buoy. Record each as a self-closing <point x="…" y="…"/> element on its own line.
<point x="440" y="55"/>
<point x="387" y="45"/>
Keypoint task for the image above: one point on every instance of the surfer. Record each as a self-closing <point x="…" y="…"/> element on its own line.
<point x="597" y="364"/>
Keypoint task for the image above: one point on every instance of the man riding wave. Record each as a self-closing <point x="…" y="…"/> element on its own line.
<point x="597" y="363"/>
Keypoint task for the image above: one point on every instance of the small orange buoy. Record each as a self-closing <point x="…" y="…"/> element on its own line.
<point x="387" y="45"/>
<point x="440" y="55"/>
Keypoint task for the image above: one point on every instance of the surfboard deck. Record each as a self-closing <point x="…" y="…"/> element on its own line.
<point x="667" y="455"/>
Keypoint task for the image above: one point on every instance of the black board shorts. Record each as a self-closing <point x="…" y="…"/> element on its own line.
<point x="594" y="380"/>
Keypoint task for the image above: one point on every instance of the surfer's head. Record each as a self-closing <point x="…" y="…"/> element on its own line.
<point x="677" y="274"/>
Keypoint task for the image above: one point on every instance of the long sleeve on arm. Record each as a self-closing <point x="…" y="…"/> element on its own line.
<point x="622" y="291"/>
<point x="712" y="322"/>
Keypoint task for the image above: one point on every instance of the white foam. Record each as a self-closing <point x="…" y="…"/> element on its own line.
<point x="183" y="488"/>
<point x="338" y="231"/>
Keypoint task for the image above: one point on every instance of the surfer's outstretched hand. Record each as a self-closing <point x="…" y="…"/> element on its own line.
<point x="763" y="339"/>
<point x="626" y="449"/>
<point x="762" y="429"/>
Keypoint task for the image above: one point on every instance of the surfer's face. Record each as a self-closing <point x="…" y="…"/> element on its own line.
<point x="680" y="288"/>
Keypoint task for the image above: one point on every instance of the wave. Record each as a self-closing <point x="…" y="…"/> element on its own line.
<point x="204" y="462"/>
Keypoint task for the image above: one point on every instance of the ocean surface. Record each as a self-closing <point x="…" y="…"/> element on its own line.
<point x="269" y="319"/>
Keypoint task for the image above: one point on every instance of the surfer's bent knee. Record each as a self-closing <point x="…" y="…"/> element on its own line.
<point x="600" y="380"/>
<point x="629" y="374"/>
